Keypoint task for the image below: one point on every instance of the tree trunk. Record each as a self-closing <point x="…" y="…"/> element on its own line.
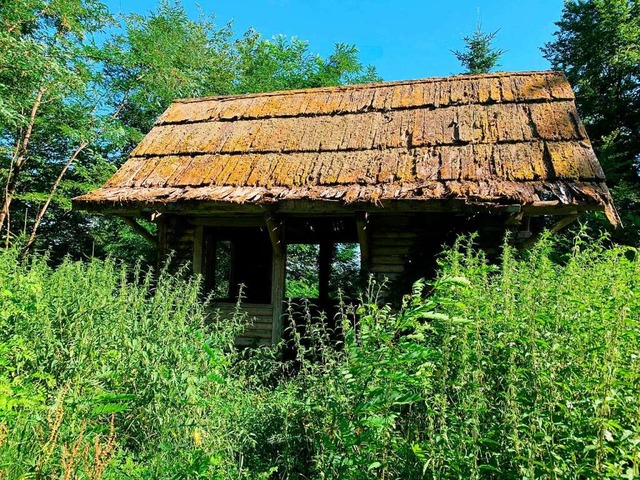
<point x="18" y="160"/>
<point x="54" y="188"/>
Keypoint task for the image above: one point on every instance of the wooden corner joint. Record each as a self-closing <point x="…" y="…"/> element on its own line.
<point x="275" y="227"/>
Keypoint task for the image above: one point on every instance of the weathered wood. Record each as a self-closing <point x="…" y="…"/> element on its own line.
<point x="141" y="230"/>
<point x="303" y="207"/>
<point x="514" y="219"/>
<point x="228" y="221"/>
<point x="387" y="268"/>
<point x="555" y="207"/>
<point x="277" y="283"/>
<point x="555" y="228"/>
<point x="389" y="260"/>
<point x="377" y="233"/>
<point x="324" y="270"/>
<point x="390" y="250"/>
<point x="252" y="309"/>
<point x="249" y="342"/>
<point x="276" y="234"/>
<point x="198" y="251"/>
<point x="362" y="225"/>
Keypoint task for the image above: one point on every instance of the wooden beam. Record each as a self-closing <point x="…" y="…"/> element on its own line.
<point x="515" y="218"/>
<point x="555" y="207"/>
<point x="141" y="230"/>
<point x="555" y="228"/>
<point x="362" y="224"/>
<point x="228" y="221"/>
<point x="277" y="278"/>
<point x="276" y="234"/>
<point x="303" y="206"/>
<point x="569" y="219"/>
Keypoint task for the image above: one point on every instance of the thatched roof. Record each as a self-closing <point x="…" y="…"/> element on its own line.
<point x="509" y="138"/>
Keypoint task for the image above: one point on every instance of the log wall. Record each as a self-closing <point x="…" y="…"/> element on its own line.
<point x="259" y="322"/>
<point x="404" y="248"/>
<point x="175" y="243"/>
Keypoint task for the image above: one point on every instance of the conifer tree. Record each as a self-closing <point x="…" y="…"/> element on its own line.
<point x="479" y="56"/>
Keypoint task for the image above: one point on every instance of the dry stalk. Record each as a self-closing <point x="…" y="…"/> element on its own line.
<point x="78" y="451"/>
<point x="54" y="419"/>
<point x="102" y="453"/>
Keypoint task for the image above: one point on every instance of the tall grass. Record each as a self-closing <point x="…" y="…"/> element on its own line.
<point x="529" y="369"/>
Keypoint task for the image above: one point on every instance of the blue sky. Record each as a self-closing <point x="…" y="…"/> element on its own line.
<point x="403" y="39"/>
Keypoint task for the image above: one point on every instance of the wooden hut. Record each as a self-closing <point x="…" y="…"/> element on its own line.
<point x="400" y="168"/>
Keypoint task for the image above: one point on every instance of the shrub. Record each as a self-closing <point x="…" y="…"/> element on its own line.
<point x="526" y="369"/>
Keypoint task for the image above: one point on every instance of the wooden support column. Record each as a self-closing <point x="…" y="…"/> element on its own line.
<point x="324" y="271"/>
<point x="362" y="224"/>
<point x="163" y="247"/>
<point x="276" y="234"/>
<point x="198" y="250"/>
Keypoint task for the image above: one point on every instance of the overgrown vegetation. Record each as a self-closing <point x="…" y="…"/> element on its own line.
<point x="526" y="370"/>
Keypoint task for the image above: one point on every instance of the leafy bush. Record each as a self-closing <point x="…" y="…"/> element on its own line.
<point x="88" y="342"/>
<point x="529" y="369"/>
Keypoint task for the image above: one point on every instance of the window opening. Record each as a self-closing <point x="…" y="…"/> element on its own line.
<point x="239" y="257"/>
<point x="302" y="278"/>
<point x="222" y="270"/>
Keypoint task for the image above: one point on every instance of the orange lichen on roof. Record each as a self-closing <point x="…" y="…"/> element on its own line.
<point x="509" y="137"/>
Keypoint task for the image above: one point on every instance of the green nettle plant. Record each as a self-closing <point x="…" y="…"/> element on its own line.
<point x="526" y="369"/>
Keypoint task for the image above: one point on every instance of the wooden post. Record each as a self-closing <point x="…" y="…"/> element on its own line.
<point x="163" y="248"/>
<point x="362" y="223"/>
<point x="198" y="250"/>
<point x="276" y="234"/>
<point x="324" y="270"/>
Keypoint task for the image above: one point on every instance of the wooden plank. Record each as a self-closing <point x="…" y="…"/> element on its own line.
<point x="163" y="247"/>
<point x="253" y="329"/>
<point x="250" y="342"/>
<point x="387" y="268"/>
<point x="556" y="207"/>
<point x="390" y="250"/>
<point x="392" y="234"/>
<point x="390" y="242"/>
<point x="257" y="309"/>
<point x="388" y="260"/>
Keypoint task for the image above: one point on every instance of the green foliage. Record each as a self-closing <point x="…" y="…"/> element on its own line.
<point x="87" y="341"/>
<point x="79" y="87"/>
<point x="597" y="45"/>
<point x="529" y="369"/>
<point x="479" y="56"/>
<point x="302" y="271"/>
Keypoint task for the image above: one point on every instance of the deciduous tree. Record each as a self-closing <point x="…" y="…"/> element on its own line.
<point x="597" y="45"/>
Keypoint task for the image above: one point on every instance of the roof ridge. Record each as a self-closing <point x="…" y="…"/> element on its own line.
<point x="363" y="86"/>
